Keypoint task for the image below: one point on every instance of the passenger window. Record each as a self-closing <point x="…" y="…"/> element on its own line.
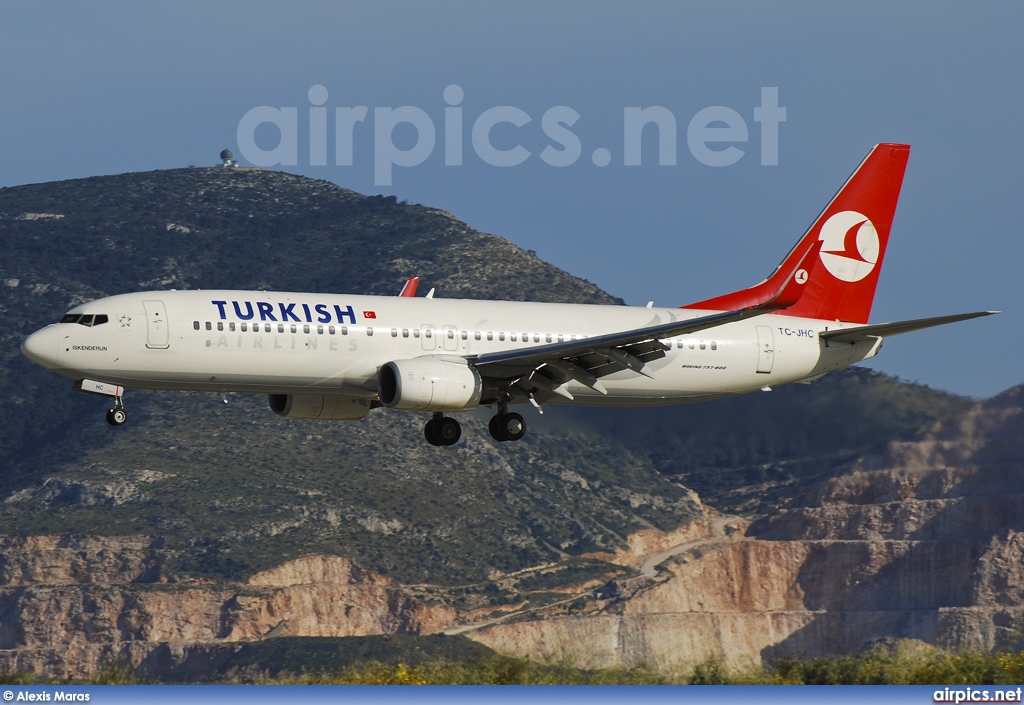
<point x="690" y="345"/>
<point x="561" y="339"/>
<point x="405" y="332"/>
<point x="451" y="335"/>
<point x="244" y="327"/>
<point x="490" y="335"/>
<point x="547" y="338"/>
<point x="513" y="336"/>
<point x="465" y="335"/>
<point x="394" y="332"/>
<point x="266" y="327"/>
<point x="369" y="331"/>
<point x="476" y="335"/>
<point x="526" y="337"/>
<point x="714" y="345"/>
<point x="427" y="333"/>
<point x="195" y="324"/>
<point x="344" y="330"/>
<point x="330" y="329"/>
<point x="231" y="326"/>
<point x="209" y="326"/>
<point x="415" y="332"/>
<point x="294" y="329"/>
<point x="536" y="337"/>
<point x="319" y="330"/>
<point x="703" y="345"/>
<point x="501" y="336"/>
<point x="280" y="327"/>
<point x="220" y="325"/>
<point x="305" y="328"/>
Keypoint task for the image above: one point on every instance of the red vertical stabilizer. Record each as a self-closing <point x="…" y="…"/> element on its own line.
<point x="853" y="231"/>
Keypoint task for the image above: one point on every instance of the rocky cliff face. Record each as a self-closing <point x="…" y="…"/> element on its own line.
<point x="71" y="605"/>
<point x="924" y="542"/>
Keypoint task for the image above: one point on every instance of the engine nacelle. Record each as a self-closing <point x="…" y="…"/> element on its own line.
<point x="429" y="384"/>
<point x="319" y="406"/>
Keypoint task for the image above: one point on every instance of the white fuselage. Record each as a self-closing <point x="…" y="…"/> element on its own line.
<point x="293" y="343"/>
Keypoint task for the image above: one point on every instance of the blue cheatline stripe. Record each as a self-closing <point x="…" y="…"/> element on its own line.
<point x="533" y="695"/>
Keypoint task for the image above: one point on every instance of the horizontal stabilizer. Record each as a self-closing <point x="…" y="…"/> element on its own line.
<point x="852" y="335"/>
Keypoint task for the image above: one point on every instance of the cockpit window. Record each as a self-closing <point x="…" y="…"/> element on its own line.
<point x="88" y="319"/>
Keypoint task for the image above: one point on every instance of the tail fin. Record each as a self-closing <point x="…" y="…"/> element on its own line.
<point x="853" y="231"/>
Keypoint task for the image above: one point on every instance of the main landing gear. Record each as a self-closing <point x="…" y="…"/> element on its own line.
<point x="442" y="430"/>
<point x="506" y="425"/>
<point x="117" y="416"/>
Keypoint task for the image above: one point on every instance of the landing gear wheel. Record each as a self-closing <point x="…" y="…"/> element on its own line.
<point x="513" y="426"/>
<point x="442" y="431"/>
<point x="116" y="417"/>
<point x="507" y="427"/>
<point x="430" y="432"/>
<point x="492" y="426"/>
<point x="448" y="431"/>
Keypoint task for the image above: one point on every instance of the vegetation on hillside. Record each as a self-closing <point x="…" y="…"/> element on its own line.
<point x="66" y="242"/>
<point x="754" y="453"/>
<point x="458" y="661"/>
<point x="235" y="489"/>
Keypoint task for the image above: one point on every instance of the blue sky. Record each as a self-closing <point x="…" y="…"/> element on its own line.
<point x="102" y="88"/>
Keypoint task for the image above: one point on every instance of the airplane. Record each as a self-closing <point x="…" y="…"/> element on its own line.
<point x="330" y="356"/>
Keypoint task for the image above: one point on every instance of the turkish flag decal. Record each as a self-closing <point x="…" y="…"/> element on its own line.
<point x="369" y="314"/>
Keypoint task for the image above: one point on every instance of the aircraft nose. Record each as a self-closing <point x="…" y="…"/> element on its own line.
<point x="41" y="346"/>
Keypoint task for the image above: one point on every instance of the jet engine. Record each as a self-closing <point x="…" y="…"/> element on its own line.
<point x="319" y="406"/>
<point x="429" y="384"/>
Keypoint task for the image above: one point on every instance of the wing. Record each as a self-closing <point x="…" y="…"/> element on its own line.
<point x="854" y="335"/>
<point x="548" y="368"/>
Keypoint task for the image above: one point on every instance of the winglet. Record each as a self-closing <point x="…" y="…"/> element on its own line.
<point x="409" y="290"/>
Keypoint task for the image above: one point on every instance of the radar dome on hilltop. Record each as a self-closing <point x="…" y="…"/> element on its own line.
<point x="227" y="157"/>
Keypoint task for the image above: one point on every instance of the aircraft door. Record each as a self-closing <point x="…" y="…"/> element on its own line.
<point x="428" y="337"/>
<point x="157" y="335"/>
<point x="765" y="349"/>
<point x="451" y="338"/>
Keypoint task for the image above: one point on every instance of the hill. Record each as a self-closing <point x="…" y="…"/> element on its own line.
<point x="132" y="542"/>
<point x="235" y="489"/>
<point x="66" y="242"/>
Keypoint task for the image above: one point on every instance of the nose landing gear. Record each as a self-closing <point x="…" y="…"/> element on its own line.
<point x="117" y="416"/>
